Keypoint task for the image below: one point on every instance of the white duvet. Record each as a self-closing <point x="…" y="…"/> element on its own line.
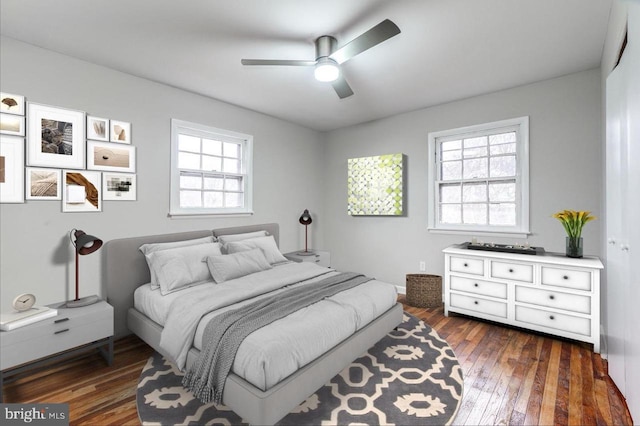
<point x="273" y="352"/>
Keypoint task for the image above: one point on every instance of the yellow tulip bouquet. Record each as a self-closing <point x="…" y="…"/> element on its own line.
<point x="573" y="223"/>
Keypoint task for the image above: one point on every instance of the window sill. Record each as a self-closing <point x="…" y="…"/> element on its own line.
<point x="507" y="234"/>
<point x="207" y="215"/>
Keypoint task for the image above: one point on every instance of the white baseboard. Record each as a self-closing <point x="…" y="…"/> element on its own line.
<point x="401" y="290"/>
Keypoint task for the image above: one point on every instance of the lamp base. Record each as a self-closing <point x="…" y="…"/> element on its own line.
<point x="83" y="301"/>
<point x="305" y="253"/>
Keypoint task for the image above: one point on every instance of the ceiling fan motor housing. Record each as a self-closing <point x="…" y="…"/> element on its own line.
<point x="325" y="46"/>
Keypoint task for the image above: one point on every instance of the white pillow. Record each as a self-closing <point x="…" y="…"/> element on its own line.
<point x="230" y="266"/>
<point x="239" y="237"/>
<point x="266" y="244"/>
<point x="147" y="249"/>
<point x="152" y="247"/>
<point x="182" y="266"/>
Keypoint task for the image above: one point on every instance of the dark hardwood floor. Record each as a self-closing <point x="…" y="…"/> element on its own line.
<point x="511" y="377"/>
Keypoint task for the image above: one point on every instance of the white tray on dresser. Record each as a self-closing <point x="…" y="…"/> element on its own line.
<point x="550" y="293"/>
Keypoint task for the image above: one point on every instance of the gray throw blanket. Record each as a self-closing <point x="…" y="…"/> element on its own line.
<point x="224" y="333"/>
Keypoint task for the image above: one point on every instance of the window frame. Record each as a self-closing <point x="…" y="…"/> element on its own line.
<point x="521" y="227"/>
<point x="181" y="127"/>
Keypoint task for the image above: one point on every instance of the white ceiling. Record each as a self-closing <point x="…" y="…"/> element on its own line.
<point x="447" y="50"/>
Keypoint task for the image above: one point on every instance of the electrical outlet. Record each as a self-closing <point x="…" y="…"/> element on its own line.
<point x="423" y="266"/>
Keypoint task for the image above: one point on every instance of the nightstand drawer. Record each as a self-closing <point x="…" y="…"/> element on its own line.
<point x="60" y="339"/>
<point x="467" y="265"/>
<point x="554" y="320"/>
<point x="512" y="271"/>
<point x="69" y="329"/>
<point x="569" y="278"/>
<point x="478" y="305"/>
<point x="484" y="288"/>
<point x="553" y="299"/>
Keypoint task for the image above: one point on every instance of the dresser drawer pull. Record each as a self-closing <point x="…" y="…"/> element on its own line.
<point x="61" y="320"/>
<point x="475" y="284"/>
<point x="551" y="317"/>
<point x="510" y="269"/>
<point x="565" y="277"/>
<point x="61" y="331"/>
<point x="465" y="265"/>
<point x="475" y="302"/>
<point x="551" y="296"/>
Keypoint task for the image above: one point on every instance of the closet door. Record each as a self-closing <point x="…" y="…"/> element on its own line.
<point x="632" y="249"/>
<point x="616" y="269"/>
<point x="623" y="218"/>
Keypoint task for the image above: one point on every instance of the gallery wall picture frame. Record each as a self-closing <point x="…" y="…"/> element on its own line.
<point x="55" y="137"/>
<point x="111" y="157"/>
<point x="11" y="169"/>
<point x="97" y="128"/>
<point x="11" y="104"/>
<point x="82" y="191"/>
<point x="12" y="124"/>
<point x="43" y="184"/>
<point x="119" y="187"/>
<point x="120" y="131"/>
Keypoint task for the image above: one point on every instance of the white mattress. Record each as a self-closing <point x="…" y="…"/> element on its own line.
<point x="273" y="352"/>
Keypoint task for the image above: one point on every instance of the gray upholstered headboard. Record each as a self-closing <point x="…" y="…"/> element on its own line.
<point x="126" y="267"/>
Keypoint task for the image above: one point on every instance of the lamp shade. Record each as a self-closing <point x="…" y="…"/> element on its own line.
<point x="85" y="243"/>
<point x="305" y="219"/>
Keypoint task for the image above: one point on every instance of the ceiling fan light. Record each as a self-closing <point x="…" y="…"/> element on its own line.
<point x="326" y="70"/>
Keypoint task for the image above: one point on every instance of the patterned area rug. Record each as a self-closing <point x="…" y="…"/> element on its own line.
<point x="410" y="377"/>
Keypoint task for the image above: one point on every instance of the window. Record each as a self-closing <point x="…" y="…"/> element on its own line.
<point x="479" y="181"/>
<point x="210" y="170"/>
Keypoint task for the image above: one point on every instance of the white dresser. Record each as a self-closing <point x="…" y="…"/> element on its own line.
<point x="550" y="293"/>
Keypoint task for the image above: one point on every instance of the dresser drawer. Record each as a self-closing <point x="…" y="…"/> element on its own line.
<point x="512" y="271"/>
<point x="466" y="265"/>
<point x="485" y="288"/>
<point x="569" y="278"/>
<point x="554" y="299"/>
<point x="554" y="320"/>
<point x="484" y="306"/>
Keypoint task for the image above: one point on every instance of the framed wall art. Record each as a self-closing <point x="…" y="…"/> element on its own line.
<point x="120" y="131"/>
<point x="43" y="184"/>
<point x="55" y="137"/>
<point x="11" y="104"/>
<point x="11" y="124"/>
<point x="11" y="169"/>
<point x="97" y="128"/>
<point x="111" y="157"/>
<point x="375" y="185"/>
<point x="119" y="187"/>
<point x="82" y="191"/>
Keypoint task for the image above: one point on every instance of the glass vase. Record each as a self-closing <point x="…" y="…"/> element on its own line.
<point x="574" y="247"/>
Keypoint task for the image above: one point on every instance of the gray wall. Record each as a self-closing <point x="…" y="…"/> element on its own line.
<point x="565" y="173"/>
<point x="35" y="254"/>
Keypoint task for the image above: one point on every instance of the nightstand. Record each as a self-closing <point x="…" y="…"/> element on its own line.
<point x="322" y="258"/>
<point x="72" y="331"/>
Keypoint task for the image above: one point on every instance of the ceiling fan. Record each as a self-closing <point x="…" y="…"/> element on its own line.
<point x="328" y="58"/>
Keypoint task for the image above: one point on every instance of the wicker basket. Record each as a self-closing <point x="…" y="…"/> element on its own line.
<point x="424" y="291"/>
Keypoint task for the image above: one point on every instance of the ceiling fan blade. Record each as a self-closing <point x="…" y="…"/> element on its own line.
<point x="376" y="35"/>
<point x="342" y="88"/>
<point x="284" y="62"/>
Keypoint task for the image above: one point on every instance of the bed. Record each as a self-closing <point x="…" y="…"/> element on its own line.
<point x="126" y="270"/>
